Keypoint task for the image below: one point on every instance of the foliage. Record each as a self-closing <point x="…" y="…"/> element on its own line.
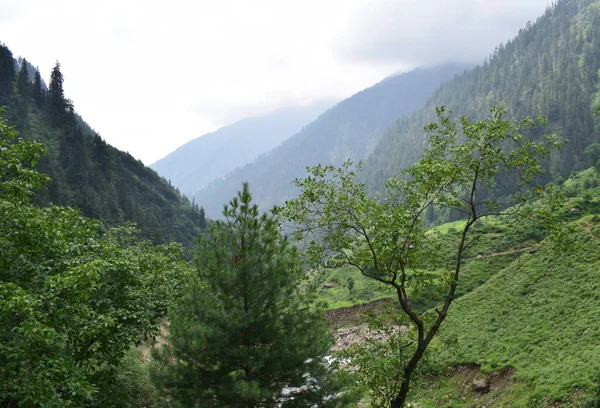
<point x="539" y="315"/>
<point x="375" y="363"/>
<point x="592" y="153"/>
<point x="595" y="403"/>
<point x="550" y="68"/>
<point x="387" y="241"/>
<point x="126" y="385"/>
<point x="59" y="107"/>
<point x="87" y="173"/>
<point x="7" y="73"/>
<point x="73" y="297"/>
<point x="245" y="334"/>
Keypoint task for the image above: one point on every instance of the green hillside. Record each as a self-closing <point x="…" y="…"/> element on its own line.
<point x="526" y="320"/>
<point x="87" y="173"/>
<point x="550" y="68"/>
<point x="539" y="315"/>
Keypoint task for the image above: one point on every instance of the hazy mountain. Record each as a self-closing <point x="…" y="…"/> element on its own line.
<point x="551" y="68"/>
<point x="213" y="155"/>
<point x="350" y="129"/>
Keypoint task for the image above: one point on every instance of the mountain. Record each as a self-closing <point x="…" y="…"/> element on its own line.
<point x="211" y="156"/>
<point x="550" y="68"/>
<point x="350" y="129"/>
<point x="103" y="182"/>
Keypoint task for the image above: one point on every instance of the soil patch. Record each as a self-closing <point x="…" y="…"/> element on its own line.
<point x="353" y="315"/>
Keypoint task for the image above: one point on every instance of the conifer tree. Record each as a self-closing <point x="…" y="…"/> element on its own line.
<point x="202" y="220"/>
<point x="244" y="334"/>
<point x="7" y="72"/>
<point x="37" y="92"/>
<point x="59" y="107"/>
<point x="23" y="84"/>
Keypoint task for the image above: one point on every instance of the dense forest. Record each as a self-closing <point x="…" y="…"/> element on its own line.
<point x="86" y="172"/>
<point x="550" y="68"/>
<point x="354" y="293"/>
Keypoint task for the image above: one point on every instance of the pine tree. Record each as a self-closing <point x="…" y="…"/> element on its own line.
<point x="37" y="92"/>
<point x="7" y="72"/>
<point x="23" y="83"/>
<point x="59" y="107"/>
<point x="202" y="218"/>
<point x="244" y="332"/>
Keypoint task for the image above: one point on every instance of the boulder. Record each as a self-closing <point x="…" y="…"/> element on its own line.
<point x="481" y="386"/>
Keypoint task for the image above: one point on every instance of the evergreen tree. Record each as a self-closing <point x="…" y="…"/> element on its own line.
<point x="245" y="334"/>
<point x="202" y="220"/>
<point x="37" y="91"/>
<point x="7" y="72"/>
<point x="59" y="107"/>
<point x="23" y="84"/>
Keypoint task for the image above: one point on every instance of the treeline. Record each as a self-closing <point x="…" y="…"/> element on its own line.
<point x="87" y="173"/>
<point x="550" y="68"/>
<point x="77" y="299"/>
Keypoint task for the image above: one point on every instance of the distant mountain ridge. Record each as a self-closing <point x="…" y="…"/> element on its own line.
<point x="213" y="155"/>
<point x="551" y="68"/>
<point x="349" y="130"/>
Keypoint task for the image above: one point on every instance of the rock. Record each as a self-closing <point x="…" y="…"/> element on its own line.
<point x="329" y="285"/>
<point x="574" y="210"/>
<point x="481" y="386"/>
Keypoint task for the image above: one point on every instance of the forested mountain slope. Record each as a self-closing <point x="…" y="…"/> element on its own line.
<point x="213" y="155"/>
<point x="551" y="68"/>
<point x="348" y="130"/>
<point x="87" y="173"/>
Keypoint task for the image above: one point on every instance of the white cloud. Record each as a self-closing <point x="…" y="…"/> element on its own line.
<point x="151" y="75"/>
<point x="432" y="31"/>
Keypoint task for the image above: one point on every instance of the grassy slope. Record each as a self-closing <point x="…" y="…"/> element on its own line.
<point x="540" y="315"/>
<point x="523" y="306"/>
<point x="500" y="242"/>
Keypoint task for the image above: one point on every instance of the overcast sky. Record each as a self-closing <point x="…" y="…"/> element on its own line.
<point x="152" y="75"/>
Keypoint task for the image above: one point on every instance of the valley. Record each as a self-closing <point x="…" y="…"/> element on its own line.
<point x="432" y="240"/>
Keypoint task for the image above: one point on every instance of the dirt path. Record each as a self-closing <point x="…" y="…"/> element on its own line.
<point x="512" y="251"/>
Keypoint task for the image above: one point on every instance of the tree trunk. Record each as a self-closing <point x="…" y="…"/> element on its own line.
<point x="398" y="401"/>
<point x="400" y="398"/>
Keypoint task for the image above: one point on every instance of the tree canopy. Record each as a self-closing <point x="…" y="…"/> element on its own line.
<point x="74" y="297"/>
<point x="388" y="241"/>
<point x="245" y="333"/>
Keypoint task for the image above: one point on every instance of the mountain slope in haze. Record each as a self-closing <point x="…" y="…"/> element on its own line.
<point x="551" y="68"/>
<point x="213" y="155"/>
<point x="87" y="173"/>
<point x="350" y="129"/>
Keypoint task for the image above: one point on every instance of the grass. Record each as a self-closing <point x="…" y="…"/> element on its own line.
<point x="343" y="287"/>
<point x="540" y="315"/>
<point x="525" y="309"/>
